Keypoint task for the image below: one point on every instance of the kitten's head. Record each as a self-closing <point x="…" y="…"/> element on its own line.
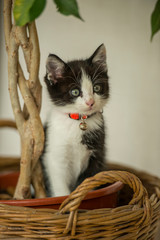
<point x="79" y="86"/>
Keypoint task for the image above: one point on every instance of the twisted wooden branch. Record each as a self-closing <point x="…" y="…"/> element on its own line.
<point x="27" y="120"/>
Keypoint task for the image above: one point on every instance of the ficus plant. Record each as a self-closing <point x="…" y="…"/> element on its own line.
<point x="20" y="32"/>
<point x="155" y="19"/>
<point x="27" y="11"/>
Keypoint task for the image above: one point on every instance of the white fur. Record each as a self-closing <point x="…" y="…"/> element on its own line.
<point x="65" y="156"/>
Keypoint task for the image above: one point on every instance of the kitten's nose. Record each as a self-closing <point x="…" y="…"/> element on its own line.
<point x="90" y="102"/>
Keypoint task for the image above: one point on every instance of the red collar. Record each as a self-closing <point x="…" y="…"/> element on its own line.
<point x="77" y="116"/>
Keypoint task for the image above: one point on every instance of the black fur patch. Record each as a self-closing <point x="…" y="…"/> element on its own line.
<point x="94" y="140"/>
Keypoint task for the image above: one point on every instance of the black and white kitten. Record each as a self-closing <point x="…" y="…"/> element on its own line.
<point x="78" y="89"/>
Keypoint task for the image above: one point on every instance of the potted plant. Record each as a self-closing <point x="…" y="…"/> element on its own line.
<point x="23" y="35"/>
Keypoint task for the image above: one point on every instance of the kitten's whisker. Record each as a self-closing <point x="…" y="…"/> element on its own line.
<point x="79" y="74"/>
<point x="96" y="76"/>
<point x="73" y="74"/>
<point x="77" y="83"/>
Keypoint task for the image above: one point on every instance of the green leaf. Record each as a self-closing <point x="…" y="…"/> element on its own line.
<point x="68" y="7"/>
<point x="26" y="11"/>
<point x="155" y="19"/>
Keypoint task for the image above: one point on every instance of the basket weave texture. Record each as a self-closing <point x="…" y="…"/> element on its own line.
<point x="136" y="220"/>
<point x="137" y="217"/>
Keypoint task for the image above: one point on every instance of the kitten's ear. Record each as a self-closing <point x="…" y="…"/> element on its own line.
<point x="55" y="68"/>
<point x="99" y="56"/>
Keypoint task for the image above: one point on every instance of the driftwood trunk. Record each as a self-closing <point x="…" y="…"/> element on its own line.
<point x="27" y="119"/>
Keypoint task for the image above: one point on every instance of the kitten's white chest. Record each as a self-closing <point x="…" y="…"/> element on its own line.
<point x="66" y="157"/>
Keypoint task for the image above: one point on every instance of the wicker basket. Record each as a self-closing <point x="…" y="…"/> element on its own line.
<point x="136" y="218"/>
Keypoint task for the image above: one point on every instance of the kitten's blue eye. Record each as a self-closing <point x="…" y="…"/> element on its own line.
<point x="97" y="88"/>
<point x="75" y="92"/>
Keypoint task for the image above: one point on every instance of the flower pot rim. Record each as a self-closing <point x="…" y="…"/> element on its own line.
<point x="109" y="190"/>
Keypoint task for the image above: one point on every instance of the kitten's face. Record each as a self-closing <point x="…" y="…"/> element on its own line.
<point x="78" y="86"/>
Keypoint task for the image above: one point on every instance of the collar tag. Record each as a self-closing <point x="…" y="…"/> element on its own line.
<point x="83" y="124"/>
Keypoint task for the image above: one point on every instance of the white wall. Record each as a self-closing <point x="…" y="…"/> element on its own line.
<point x="133" y="113"/>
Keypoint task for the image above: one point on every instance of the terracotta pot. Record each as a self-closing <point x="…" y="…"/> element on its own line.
<point x="106" y="197"/>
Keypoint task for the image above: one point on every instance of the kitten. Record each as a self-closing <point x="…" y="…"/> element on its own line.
<point x="75" y="134"/>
